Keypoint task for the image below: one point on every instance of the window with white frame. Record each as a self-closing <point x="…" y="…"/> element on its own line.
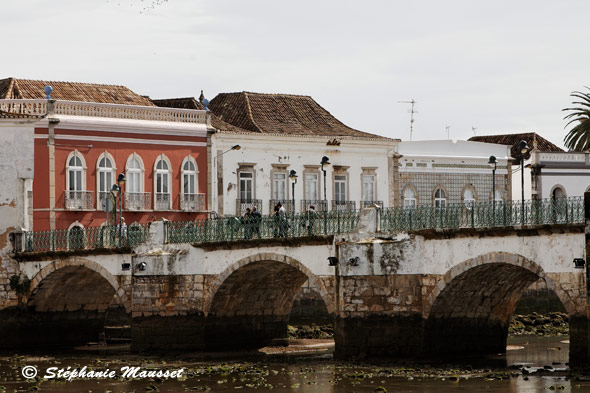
<point x="440" y="198"/>
<point x="162" y="184"/>
<point x="311" y="186"/>
<point x="409" y="197"/>
<point x="368" y="188"/>
<point x="340" y="188"/>
<point x="134" y="183"/>
<point x="246" y="186"/>
<point x="76" y="172"/>
<point x="468" y="197"/>
<point x="279" y="186"/>
<point x="105" y="177"/>
<point x="189" y="177"/>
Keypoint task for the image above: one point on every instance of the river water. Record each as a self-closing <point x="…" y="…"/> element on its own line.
<point x="298" y="373"/>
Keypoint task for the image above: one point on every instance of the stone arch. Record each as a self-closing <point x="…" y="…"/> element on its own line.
<point x="80" y="263"/>
<point x="67" y="306"/>
<point x="220" y="279"/>
<point x="498" y="257"/>
<point x="251" y="301"/>
<point x="469" y="310"/>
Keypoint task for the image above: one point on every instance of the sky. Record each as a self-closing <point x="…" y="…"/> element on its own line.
<point x="501" y="66"/>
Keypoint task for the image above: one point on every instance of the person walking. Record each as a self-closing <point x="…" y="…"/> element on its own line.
<point x="256" y="221"/>
<point x="247" y="223"/>
<point x="310" y="219"/>
<point x="283" y="224"/>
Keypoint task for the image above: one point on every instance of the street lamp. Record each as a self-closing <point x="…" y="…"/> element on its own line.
<point x="493" y="163"/>
<point x="234" y="147"/>
<point x="293" y="177"/>
<point x="325" y="161"/>
<point x="523" y="147"/>
<point x="115" y="190"/>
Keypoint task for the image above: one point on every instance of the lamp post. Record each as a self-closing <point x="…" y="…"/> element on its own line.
<point x="523" y="148"/>
<point x="115" y="189"/>
<point x="234" y="147"/>
<point x="293" y="177"/>
<point x="120" y="180"/>
<point x="325" y="161"/>
<point x="493" y="163"/>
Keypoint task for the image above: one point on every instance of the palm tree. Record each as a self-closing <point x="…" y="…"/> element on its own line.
<point x="578" y="138"/>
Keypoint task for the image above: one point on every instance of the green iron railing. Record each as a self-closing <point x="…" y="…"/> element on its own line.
<point x="262" y="227"/>
<point x="78" y="238"/>
<point x="477" y="215"/>
<point x="484" y="215"/>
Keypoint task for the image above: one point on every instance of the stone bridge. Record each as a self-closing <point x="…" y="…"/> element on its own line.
<point x="423" y="293"/>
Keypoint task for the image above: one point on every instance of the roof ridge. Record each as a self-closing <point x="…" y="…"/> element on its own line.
<point x="277" y="94"/>
<point x="249" y="107"/>
<point x="77" y="83"/>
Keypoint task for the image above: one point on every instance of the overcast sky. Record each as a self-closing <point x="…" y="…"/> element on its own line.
<point x="501" y="66"/>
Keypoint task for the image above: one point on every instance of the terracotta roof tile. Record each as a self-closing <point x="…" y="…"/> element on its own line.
<point x="12" y="88"/>
<point x="531" y="138"/>
<point x="192" y="103"/>
<point x="280" y="114"/>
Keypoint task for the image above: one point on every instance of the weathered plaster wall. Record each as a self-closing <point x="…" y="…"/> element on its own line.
<point x="16" y="177"/>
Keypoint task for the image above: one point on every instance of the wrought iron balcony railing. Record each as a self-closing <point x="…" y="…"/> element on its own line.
<point x="288" y="205"/>
<point x="162" y="201"/>
<point x="79" y="200"/>
<point x="138" y="201"/>
<point x="243" y="204"/>
<point x="192" y="202"/>
<point x="343" y="205"/>
<point x="319" y="205"/>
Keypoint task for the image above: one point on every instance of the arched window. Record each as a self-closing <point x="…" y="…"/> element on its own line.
<point x="189" y="176"/>
<point x="105" y="178"/>
<point x="558" y="193"/>
<point x="162" y="200"/>
<point x="409" y="197"/>
<point x="440" y="198"/>
<point x="76" y="195"/>
<point x="189" y="198"/>
<point x="469" y="197"/>
<point x="135" y="197"/>
<point x="134" y="174"/>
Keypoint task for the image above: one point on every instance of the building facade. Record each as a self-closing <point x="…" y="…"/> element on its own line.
<point x="260" y="138"/>
<point x="90" y="135"/>
<point x="441" y="173"/>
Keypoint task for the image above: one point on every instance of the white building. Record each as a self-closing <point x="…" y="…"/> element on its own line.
<point x="281" y="133"/>
<point x="449" y="172"/>
<point x="549" y="171"/>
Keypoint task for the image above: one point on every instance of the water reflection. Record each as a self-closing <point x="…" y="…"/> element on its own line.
<point x="306" y="375"/>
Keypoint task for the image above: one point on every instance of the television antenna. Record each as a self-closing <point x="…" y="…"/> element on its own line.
<point x="474" y="129"/>
<point x="448" y="132"/>
<point x="412" y="111"/>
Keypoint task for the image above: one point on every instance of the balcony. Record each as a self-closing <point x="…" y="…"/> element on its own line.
<point x="319" y="205"/>
<point x="138" y="201"/>
<point x="94" y="109"/>
<point x="288" y="205"/>
<point x="162" y="201"/>
<point x="343" y="205"/>
<point x="192" y="202"/>
<point x="243" y="204"/>
<point x="371" y="203"/>
<point x="79" y="200"/>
